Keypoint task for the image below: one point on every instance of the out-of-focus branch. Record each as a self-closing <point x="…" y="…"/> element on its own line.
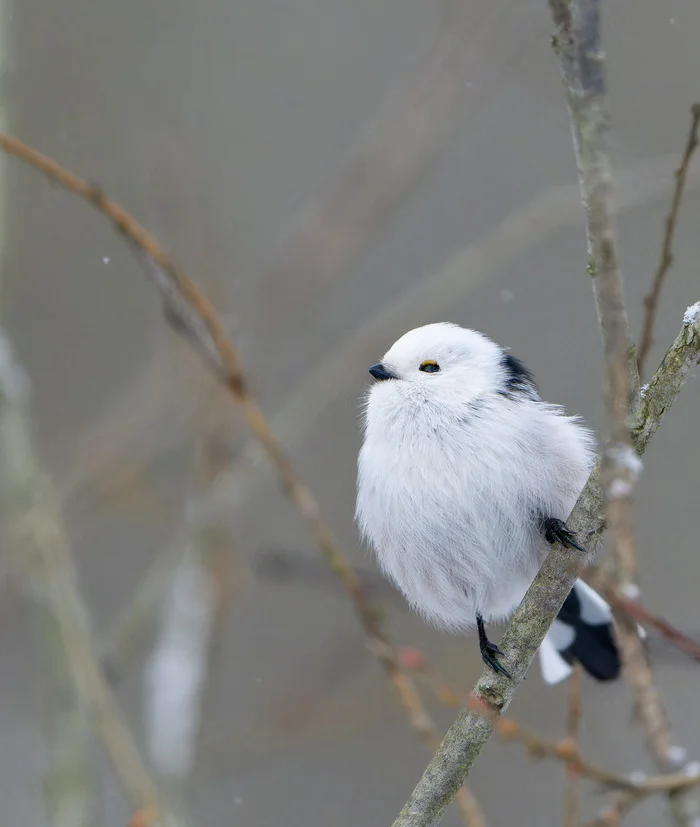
<point x="30" y="503"/>
<point x="651" y="300"/>
<point x="642" y="615"/>
<point x="432" y="296"/>
<point x="69" y="780"/>
<point x="577" y="43"/>
<point x="525" y="632"/>
<point x="612" y="815"/>
<point x="305" y="568"/>
<point x="177" y="668"/>
<point x="572" y="791"/>
<point x="192" y="315"/>
<point x="128" y="635"/>
<point x="567" y="750"/>
<point x="396" y="150"/>
<point x="191" y="614"/>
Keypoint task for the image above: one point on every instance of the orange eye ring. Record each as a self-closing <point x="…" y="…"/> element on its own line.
<point x="429" y="366"/>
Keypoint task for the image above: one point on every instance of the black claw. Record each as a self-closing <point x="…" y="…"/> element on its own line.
<point x="489" y="650"/>
<point x="488" y="655"/>
<point x="556" y="531"/>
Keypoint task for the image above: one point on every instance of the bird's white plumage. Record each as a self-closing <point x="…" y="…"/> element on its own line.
<point x="594" y="610"/>
<point x="552" y="665"/>
<point x="455" y="472"/>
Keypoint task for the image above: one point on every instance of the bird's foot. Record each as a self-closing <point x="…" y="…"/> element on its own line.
<point x="489" y="652"/>
<point x="556" y="531"/>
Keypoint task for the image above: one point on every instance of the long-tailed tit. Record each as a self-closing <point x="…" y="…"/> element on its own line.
<point x="462" y="473"/>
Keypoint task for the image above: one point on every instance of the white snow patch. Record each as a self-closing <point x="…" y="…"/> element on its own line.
<point x="691" y="313"/>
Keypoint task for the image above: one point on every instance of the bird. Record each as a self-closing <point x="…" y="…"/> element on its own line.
<point x="462" y="473"/>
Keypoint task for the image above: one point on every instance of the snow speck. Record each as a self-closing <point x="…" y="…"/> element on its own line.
<point x="507" y="295"/>
<point x="620" y="489"/>
<point x="677" y="755"/>
<point x="643" y="390"/>
<point x="106" y="259"/>
<point x="692" y="769"/>
<point x="672" y="21"/>
<point x="691" y="313"/>
<point x="237" y="800"/>
<point x="631" y="591"/>
<point x="638" y="777"/>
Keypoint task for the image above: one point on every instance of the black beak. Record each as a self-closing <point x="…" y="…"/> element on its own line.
<point x="381" y="373"/>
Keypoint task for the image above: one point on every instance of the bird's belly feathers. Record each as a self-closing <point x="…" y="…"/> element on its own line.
<point x="451" y="561"/>
<point x="451" y="572"/>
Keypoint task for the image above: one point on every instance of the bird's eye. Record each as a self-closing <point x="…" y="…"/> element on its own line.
<point x="429" y="366"/>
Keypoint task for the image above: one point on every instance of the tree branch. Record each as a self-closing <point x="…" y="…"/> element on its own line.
<point x="525" y="632"/>
<point x="191" y="314"/>
<point x="651" y="301"/>
<point x="577" y="44"/>
<point x="28" y="500"/>
<point x="572" y="791"/>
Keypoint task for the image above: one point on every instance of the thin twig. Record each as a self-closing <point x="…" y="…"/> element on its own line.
<point x="567" y="750"/>
<point x="578" y="46"/>
<point x="197" y="320"/>
<point x="612" y="815"/>
<point x="642" y="615"/>
<point x="526" y="630"/>
<point x="572" y="791"/>
<point x="577" y="42"/>
<point x="462" y="272"/>
<point x="651" y="300"/>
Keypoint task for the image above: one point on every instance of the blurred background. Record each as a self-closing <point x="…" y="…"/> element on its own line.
<point x="333" y="174"/>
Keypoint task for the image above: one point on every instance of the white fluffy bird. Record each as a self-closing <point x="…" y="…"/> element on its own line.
<point x="462" y="472"/>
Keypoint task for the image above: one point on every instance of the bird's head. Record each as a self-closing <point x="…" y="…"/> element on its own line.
<point x="441" y="363"/>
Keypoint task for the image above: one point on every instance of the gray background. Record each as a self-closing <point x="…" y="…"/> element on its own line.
<point x="214" y="122"/>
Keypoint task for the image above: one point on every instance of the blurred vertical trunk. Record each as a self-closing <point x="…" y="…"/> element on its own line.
<point x="69" y="791"/>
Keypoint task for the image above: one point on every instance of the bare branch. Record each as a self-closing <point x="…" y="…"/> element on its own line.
<point x="651" y="300"/>
<point x="578" y="46"/>
<point x="29" y="500"/>
<point x="69" y="780"/>
<point x="642" y="615"/>
<point x="193" y="316"/>
<point x="572" y="791"/>
<point x="567" y="750"/>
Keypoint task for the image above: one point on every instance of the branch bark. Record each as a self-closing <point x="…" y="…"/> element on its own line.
<point x="525" y="632"/>
<point x="577" y="44"/>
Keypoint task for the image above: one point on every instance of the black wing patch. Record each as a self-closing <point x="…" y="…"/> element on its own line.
<point x="593" y="646"/>
<point x="518" y="379"/>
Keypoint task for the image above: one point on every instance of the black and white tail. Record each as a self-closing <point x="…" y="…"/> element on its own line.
<point x="582" y="631"/>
